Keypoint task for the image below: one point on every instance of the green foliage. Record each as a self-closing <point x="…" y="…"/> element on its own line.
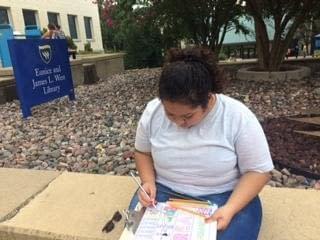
<point x="124" y="30"/>
<point x="146" y="29"/>
<point x="114" y="39"/>
<point x="204" y="22"/>
<point x="87" y="47"/>
<point x="222" y="56"/>
<point x="70" y="43"/>
<point x="44" y="30"/>
<point x="143" y="47"/>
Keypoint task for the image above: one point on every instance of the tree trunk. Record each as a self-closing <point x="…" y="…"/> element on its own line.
<point x="262" y="43"/>
<point x="286" y="23"/>
<point x="217" y="43"/>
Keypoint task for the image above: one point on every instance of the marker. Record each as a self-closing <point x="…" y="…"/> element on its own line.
<point x="187" y="201"/>
<point x="183" y="196"/>
<point x="184" y="209"/>
<point x="142" y="189"/>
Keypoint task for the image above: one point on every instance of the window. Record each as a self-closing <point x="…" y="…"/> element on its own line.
<point x="72" y="20"/>
<point x="53" y="18"/>
<point x="87" y="25"/>
<point x="29" y="17"/>
<point x="4" y="18"/>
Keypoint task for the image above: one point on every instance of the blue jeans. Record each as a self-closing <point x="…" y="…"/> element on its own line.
<point x="245" y="225"/>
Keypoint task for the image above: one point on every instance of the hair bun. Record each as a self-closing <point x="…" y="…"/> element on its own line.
<point x="192" y="58"/>
<point x="191" y="54"/>
<point x="201" y="55"/>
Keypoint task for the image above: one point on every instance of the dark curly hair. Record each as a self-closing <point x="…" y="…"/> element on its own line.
<point x="189" y="76"/>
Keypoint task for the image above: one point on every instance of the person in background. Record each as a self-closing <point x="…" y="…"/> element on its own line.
<point x="60" y="34"/>
<point x="51" y="33"/>
<point x="195" y="141"/>
<point x="296" y="50"/>
<point x="288" y="53"/>
<point x="304" y="50"/>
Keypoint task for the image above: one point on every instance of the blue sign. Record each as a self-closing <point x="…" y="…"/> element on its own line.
<point x="42" y="71"/>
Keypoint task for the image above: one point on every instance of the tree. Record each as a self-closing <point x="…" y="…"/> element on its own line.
<point x="111" y="37"/>
<point x="287" y="16"/>
<point x="127" y="30"/>
<point x="143" y="46"/>
<point x="203" y="22"/>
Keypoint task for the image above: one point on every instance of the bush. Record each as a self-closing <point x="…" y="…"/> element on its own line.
<point x="44" y="30"/>
<point x="70" y="43"/>
<point x="222" y="56"/>
<point x="143" y="47"/>
<point x="87" y="47"/>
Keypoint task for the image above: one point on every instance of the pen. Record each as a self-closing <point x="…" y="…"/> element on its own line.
<point x="142" y="189"/>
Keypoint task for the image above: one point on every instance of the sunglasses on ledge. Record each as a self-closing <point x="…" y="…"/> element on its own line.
<point x="111" y="223"/>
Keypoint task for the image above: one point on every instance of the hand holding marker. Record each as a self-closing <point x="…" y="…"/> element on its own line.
<point x="142" y="189"/>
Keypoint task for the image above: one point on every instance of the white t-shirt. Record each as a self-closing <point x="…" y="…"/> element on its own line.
<point x="208" y="157"/>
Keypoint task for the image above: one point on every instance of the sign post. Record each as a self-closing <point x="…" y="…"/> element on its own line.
<point x="42" y="71"/>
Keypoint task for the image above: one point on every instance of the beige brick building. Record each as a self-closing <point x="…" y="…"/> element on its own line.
<point x="78" y="18"/>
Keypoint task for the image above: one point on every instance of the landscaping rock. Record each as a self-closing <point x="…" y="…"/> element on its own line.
<point x="96" y="132"/>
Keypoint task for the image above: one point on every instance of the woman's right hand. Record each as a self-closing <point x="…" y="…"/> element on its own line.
<point x="151" y="189"/>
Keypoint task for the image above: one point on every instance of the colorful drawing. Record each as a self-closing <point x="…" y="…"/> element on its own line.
<point x="168" y="223"/>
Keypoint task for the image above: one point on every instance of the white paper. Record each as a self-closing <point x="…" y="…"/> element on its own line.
<point x="166" y="223"/>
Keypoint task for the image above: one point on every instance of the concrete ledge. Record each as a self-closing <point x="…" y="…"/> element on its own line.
<point x="7" y="77"/>
<point x="76" y="62"/>
<point x="107" y="64"/>
<point x="76" y="206"/>
<point x="7" y="80"/>
<point x="250" y="75"/>
<point x="77" y="72"/>
<point x="100" y="57"/>
<point x="7" y="89"/>
<point x="18" y="186"/>
<point x="290" y="214"/>
<point x="6" y="72"/>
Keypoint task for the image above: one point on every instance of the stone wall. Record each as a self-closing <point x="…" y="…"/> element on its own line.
<point x="296" y="73"/>
<point x="231" y="68"/>
<point x="7" y="89"/>
<point x="105" y="64"/>
<point x="312" y="63"/>
<point x="77" y="72"/>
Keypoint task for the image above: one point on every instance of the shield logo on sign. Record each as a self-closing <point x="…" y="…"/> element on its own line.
<point x="45" y="53"/>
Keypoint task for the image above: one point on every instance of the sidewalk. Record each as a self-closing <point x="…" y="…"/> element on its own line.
<point x="55" y="205"/>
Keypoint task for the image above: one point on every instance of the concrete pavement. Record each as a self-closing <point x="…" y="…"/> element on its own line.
<point x="76" y="206"/>
<point x="18" y="186"/>
<point x="73" y="206"/>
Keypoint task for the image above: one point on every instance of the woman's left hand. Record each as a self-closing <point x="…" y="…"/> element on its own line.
<point x="223" y="216"/>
